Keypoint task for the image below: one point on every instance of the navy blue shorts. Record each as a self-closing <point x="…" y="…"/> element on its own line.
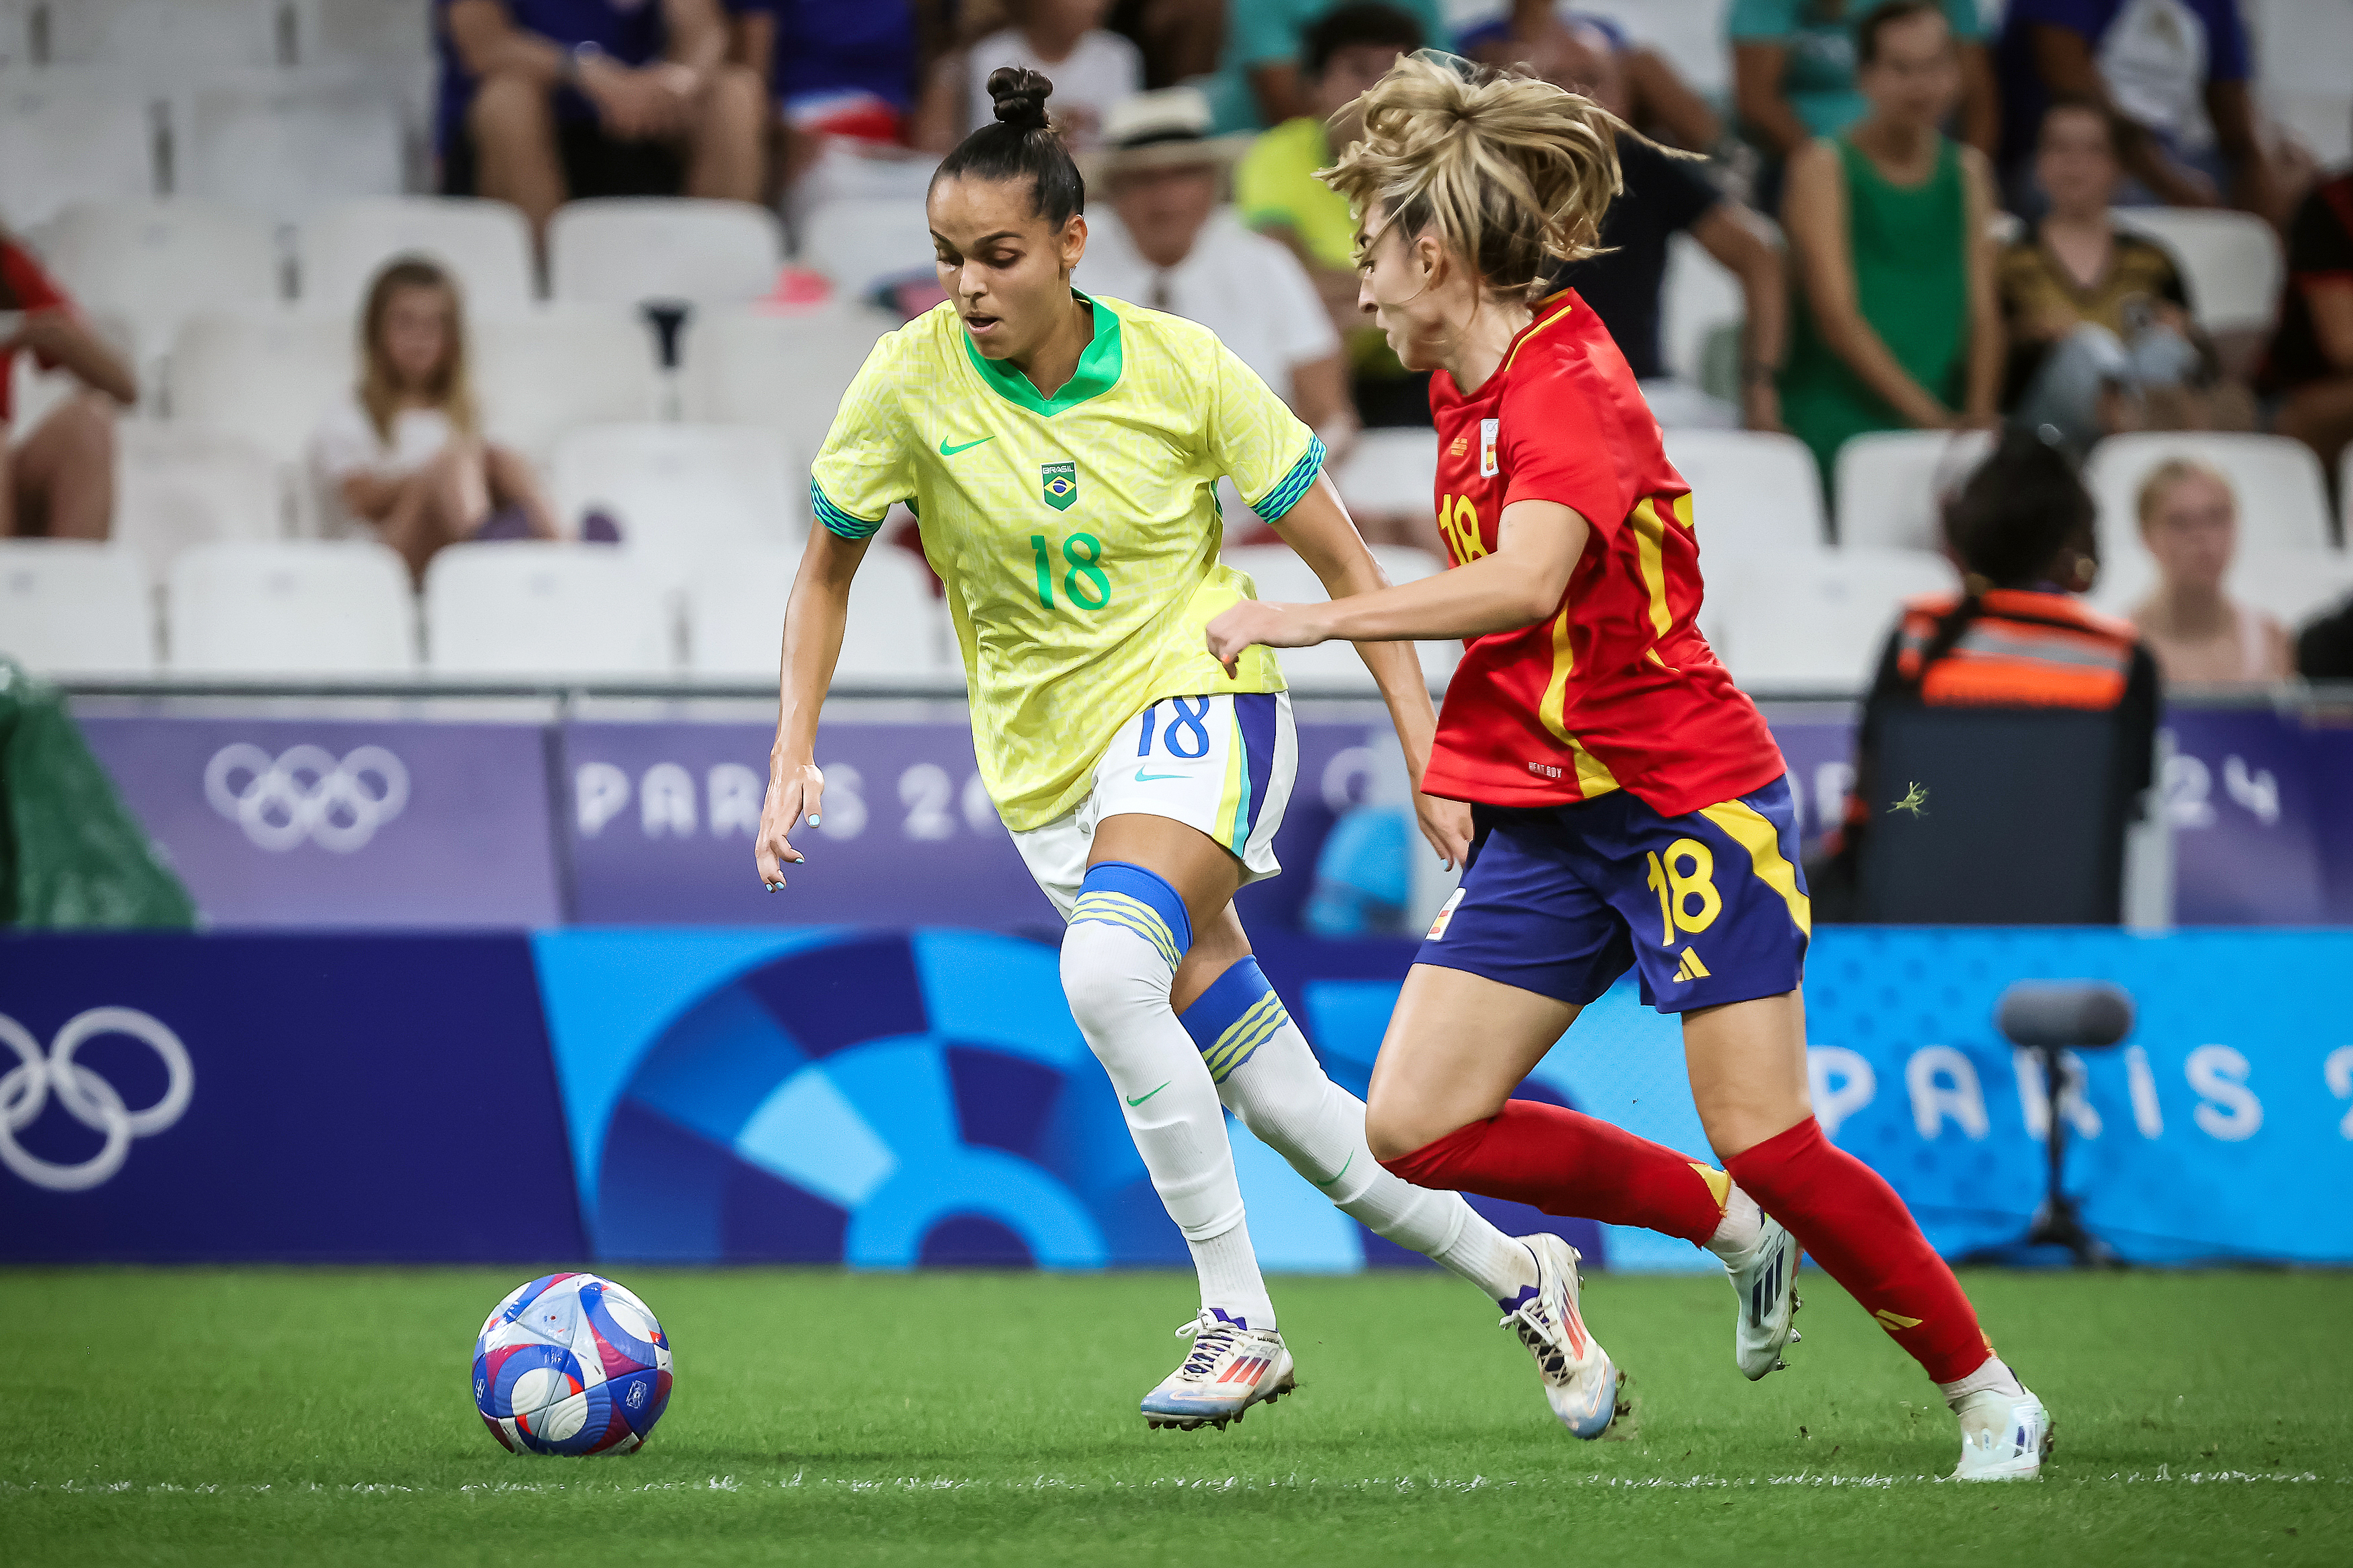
<point x="1561" y="901"/>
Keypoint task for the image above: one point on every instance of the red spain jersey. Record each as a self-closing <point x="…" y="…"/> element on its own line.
<point x="1615" y="689"/>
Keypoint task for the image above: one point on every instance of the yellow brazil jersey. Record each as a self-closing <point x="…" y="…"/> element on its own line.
<point x="1077" y="534"/>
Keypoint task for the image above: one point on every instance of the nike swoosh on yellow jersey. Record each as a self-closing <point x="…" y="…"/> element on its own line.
<point x="948" y="451"/>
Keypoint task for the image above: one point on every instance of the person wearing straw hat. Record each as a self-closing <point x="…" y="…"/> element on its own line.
<point x="1170" y="245"/>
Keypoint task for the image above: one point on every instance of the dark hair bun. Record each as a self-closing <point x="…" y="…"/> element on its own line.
<point x="1020" y="96"/>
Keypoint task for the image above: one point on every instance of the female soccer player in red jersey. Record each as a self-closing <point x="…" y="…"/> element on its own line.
<point x="1628" y="804"/>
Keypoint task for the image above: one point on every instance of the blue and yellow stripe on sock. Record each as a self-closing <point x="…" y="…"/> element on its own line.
<point x="1229" y="1022"/>
<point x="1119" y="894"/>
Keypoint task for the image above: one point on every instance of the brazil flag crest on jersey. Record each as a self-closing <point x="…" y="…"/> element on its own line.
<point x="1060" y="482"/>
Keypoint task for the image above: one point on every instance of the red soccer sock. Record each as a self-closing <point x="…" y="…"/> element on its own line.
<point x="1567" y="1163"/>
<point x="1859" y="1230"/>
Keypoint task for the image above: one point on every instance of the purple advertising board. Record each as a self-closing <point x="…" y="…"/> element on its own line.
<point x="659" y="818"/>
<point x="341" y="822"/>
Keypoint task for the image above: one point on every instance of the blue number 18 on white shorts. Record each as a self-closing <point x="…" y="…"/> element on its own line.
<point x="1223" y="764"/>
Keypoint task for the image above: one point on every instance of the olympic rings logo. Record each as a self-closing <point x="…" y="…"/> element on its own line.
<point x="307" y="793"/>
<point x="25" y="1091"/>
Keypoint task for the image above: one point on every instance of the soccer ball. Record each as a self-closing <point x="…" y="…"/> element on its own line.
<point x="571" y="1364"/>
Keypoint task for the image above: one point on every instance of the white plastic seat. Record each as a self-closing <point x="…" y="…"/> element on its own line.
<point x="1891" y="485"/>
<point x="75" y="606"/>
<point x="861" y="242"/>
<point x="485" y="244"/>
<point x="680" y="491"/>
<point x="155" y="264"/>
<point x="176" y="486"/>
<point x="69" y="135"/>
<point x="268" y="376"/>
<point x="560" y="368"/>
<point x="1279" y="574"/>
<point x="2231" y="261"/>
<point x="347" y="34"/>
<point x="1751" y="490"/>
<point x="1390" y="471"/>
<point x="2294" y="584"/>
<point x="621" y="250"/>
<point x="785" y="371"/>
<point x="1817" y="622"/>
<point x="306" y="607"/>
<point x="283" y="149"/>
<point x="158" y="38"/>
<point x="2282" y="502"/>
<point x="735" y="616"/>
<point x="1699" y="298"/>
<point x="527" y="609"/>
<point x="2345" y="497"/>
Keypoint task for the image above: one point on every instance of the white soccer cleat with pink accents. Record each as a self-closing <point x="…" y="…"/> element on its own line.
<point x="1231" y="1367"/>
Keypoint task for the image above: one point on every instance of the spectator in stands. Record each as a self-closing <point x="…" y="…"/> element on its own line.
<point x="1665" y="196"/>
<point x="1279" y="194"/>
<point x="2098" y="322"/>
<point x="1179" y="38"/>
<point x="1554" y="41"/>
<point x="1168" y="244"/>
<point x="542" y="101"/>
<point x="1092" y="68"/>
<point x="2171" y="73"/>
<point x="1897" y="323"/>
<point x="832" y="70"/>
<point x="2022" y="532"/>
<point x="1796" y="68"/>
<point x="56" y="479"/>
<point x="1261" y="81"/>
<point x="401" y="457"/>
<point x="2189" y="520"/>
<point x="2309" y="366"/>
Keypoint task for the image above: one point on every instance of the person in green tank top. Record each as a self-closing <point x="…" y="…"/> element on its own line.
<point x="1896" y="324"/>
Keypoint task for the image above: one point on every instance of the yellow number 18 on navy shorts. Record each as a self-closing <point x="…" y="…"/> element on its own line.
<point x="1710" y="908"/>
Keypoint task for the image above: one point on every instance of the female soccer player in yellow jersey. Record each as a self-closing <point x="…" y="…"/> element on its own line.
<point x="1062" y="454"/>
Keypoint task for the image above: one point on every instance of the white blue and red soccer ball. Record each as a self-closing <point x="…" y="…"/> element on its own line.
<point x="571" y="1364"/>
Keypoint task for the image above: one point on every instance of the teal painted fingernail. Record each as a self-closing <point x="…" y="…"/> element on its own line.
<point x="813" y="819"/>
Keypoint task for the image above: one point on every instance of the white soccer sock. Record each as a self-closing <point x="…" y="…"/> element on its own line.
<point x="1992" y="1374"/>
<point x="1740" y="1229"/>
<point x="1117" y="983"/>
<point x="1282" y="1096"/>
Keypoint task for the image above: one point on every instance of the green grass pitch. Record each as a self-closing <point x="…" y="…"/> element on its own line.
<point x="256" y="1417"/>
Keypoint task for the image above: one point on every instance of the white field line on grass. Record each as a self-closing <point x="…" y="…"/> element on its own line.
<point x="1400" y="1484"/>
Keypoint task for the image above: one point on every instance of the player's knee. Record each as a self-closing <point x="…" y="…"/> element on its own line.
<point x="1393" y="1132"/>
<point x="1108" y="974"/>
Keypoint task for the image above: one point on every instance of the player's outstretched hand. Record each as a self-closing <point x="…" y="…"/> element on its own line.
<point x="798" y="792"/>
<point x="1254" y="621"/>
<point x="1447" y="824"/>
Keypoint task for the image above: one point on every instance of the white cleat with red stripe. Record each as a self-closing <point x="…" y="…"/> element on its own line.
<point x="1581" y="1383"/>
<point x="1231" y="1367"/>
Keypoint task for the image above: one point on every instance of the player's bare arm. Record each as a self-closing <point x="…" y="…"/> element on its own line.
<point x="814" y="616"/>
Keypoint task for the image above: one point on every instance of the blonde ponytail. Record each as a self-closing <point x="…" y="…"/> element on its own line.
<point x="1514" y="173"/>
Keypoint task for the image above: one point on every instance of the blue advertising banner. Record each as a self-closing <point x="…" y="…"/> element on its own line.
<point x="892" y="1098"/>
<point x="315" y="1098"/>
<point x="338" y="823"/>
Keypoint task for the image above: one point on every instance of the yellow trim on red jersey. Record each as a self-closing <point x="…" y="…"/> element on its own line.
<point x="1649" y="534"/>
<point x="1541" y="324"/>
<point x="1593" y="774"/>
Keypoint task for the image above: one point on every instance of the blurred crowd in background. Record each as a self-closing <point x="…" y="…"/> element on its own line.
<point x="2087" y="219"/>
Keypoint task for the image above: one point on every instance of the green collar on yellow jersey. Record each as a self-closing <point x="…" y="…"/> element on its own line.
<point x="1098" y="369"/>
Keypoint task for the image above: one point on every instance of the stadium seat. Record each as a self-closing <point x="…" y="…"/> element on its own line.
<point x="267" y="376"/>
<point x="1751" y="490"/>
<point x="293" y="608"/>
<point x="785" y="371"/>
<point x="2293" y="584"/>
<point x="559" y="368"/>
<point x="162" y="38"/>
<point x="176" y="486"/>
<point x="348" y="33"/>
<point x="70" y="136"/>
<point x="735" y="616"/>
<point x="1817" y="622"/>
<point x="155" y="264"/>
<point x="620" y="250"/>
<point x="1891" y="485"/>
<point x="2231" y="262"/>
<point x="526" y="608"/>
<point x="285" y="149"/>
<point x="1280" y="574"/>
<point x="1699" y="299"/>
<point x="2283" y="504"/>
<point x="486" y="245"/>
<point x="681" y="491"/>
<point x="73" y="606"/>
<point x="861" y="242"/>
<point x="1390" y="471"/>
